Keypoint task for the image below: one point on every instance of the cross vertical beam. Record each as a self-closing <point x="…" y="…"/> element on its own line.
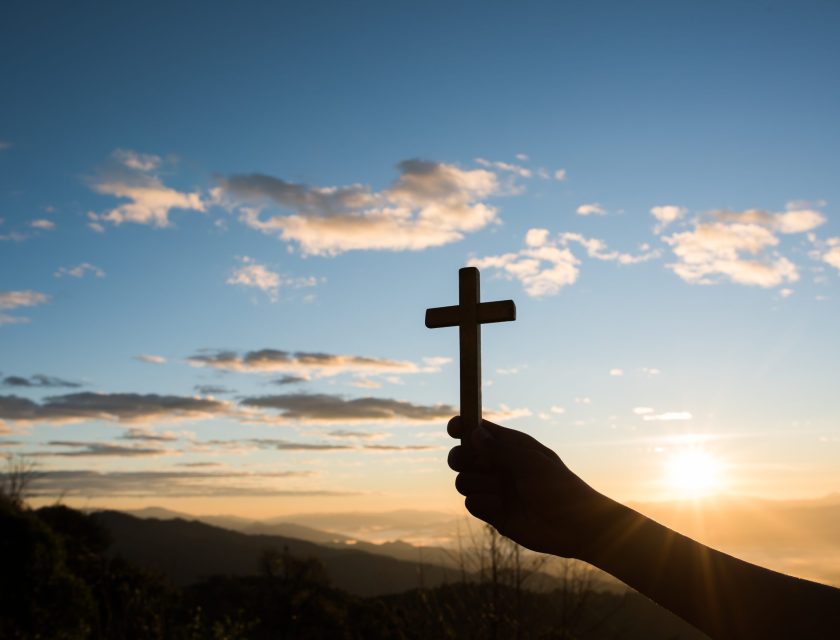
<point x="469" y="342"/>
<point x="468" y="316"/>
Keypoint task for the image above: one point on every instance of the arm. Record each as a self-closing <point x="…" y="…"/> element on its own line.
<point x="525" y="491"/>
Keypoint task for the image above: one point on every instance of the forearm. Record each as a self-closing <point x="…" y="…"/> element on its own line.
<point x="721" y="595"/>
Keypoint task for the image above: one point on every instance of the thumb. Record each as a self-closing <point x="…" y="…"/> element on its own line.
<point x="513" y="451"/>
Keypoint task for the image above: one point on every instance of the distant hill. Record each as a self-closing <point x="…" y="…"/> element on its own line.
<point x="398" y="549"/>
<point x="188" y="551"/>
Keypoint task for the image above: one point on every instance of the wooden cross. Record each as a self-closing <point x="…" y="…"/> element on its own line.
<point x="468" y="315"/>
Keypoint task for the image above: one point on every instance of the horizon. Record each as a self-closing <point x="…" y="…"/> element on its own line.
<point x="218" y="243"/>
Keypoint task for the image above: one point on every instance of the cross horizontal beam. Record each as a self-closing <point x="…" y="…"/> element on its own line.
<point x="488" y="312"/>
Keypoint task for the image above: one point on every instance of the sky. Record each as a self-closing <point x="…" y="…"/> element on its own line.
<point x="222" y="224"/>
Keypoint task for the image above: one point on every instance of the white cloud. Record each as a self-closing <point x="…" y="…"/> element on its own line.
<point x="252" y="274"/>
<point x="306" y="364"/>
<point x="597" y="249"/>
<point x="130" y="176"/>
<point x="786" y="293"/>
<point x="545" y="266"/>
<point x="641" y="411"/>
<point x="558" y="409"/>
<point x="150" y="358"/>
<point x="583" y="400"/>
<point x="616" y="372"/>
<point x="543" y="271"/>
<point x="137" y="161"/>
<point x="43" y="224"/>
<point x="430" y="204"/>
<point x="79" y="271"/>
<point x="793" y="220"/>
<point x="666" y="214"/>
<point x="592" y="208"/>
<point x="560" y="176"/>
<point x="832" y="256"/>
<point x="522" y="157"/>
<point x="522" y="172"/>
<point x="712" y="251"/>
<point x="15" y="300"/>
<point x="434" y="363"/>
<point x="651" y="371"/>
<point x="259" y="276"/>
<point x="668" y="416"/>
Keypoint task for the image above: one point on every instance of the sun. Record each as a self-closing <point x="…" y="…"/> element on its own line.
<point x="694" y="473"/>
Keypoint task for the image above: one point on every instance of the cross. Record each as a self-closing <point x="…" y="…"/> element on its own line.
<point x="468" y="315"/>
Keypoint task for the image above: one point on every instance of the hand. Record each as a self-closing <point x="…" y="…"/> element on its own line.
<point x="524" y="490"/>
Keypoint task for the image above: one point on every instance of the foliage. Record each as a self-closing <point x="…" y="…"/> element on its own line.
<point x="61" y="580"/>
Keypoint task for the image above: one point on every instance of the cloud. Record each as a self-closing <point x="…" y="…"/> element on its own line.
<point x="396" y="447"/>
<point x="129" y="175"/>
<point x="592" y="208"/>
<point x="360" y="435"/>
<point x="150" y="358"/>
<point x="794" y="220"/>
<point x="740" y="252"/>
<point x="583" y="400"/>
<point x="832" y="255"/>
<point x="5" y="144"/>
<point x="137" y="161"/>
<point x="668" y="416"/>
<point x="641" y="411"/>
<point x="259" y="276"/>
<point x="113" y="407"/>
<point x="43" y="224"/>
<point x="284" y="380"/>
<point x="98" y="449"/>
<point x="16" y="299"/>
<point x="519" y="170"/>
<point x="171" y="484"/>
<point x="542" y="270"/>
<point x="147" y="435"/>
<point x="79" y="271"/>
<point x="560" y="175"/>
<point x="286" y="445"/>
<point x="212" y="389"/>
<point x="596" y="248"/>
<point x="324" y="408"/>
<point x="545" y="266"/>
<point x="666" y="214"/>
<point x="429" y="205"/>
<point x="301" y="364"/>
<point x="558" y="409"/>
<point x="616" y="372"/>
<point x="39" y="380"/>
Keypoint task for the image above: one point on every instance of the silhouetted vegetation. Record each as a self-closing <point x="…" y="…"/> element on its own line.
<point x="62" y="579"/>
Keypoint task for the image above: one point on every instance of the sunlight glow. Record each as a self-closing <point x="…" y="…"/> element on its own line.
<point x="693" y="473"/>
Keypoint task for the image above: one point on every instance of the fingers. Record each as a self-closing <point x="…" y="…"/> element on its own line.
<point x="508" y="437"/>
<point x="455" y="428"/>
<point x="469" y="483"/>
<point x="487" y="507"/>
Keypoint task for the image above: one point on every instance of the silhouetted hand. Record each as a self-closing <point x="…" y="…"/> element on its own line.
<point x="524" y="490"/>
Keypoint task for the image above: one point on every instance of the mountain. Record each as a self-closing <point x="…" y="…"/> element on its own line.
<point x="290" y="527"/>
<point x="187" y="551"/>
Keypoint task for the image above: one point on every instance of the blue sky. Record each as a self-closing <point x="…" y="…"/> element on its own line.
<point x="308" y="177"/>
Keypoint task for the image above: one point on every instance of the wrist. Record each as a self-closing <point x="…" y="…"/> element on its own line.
<point x="605" y="525"/>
